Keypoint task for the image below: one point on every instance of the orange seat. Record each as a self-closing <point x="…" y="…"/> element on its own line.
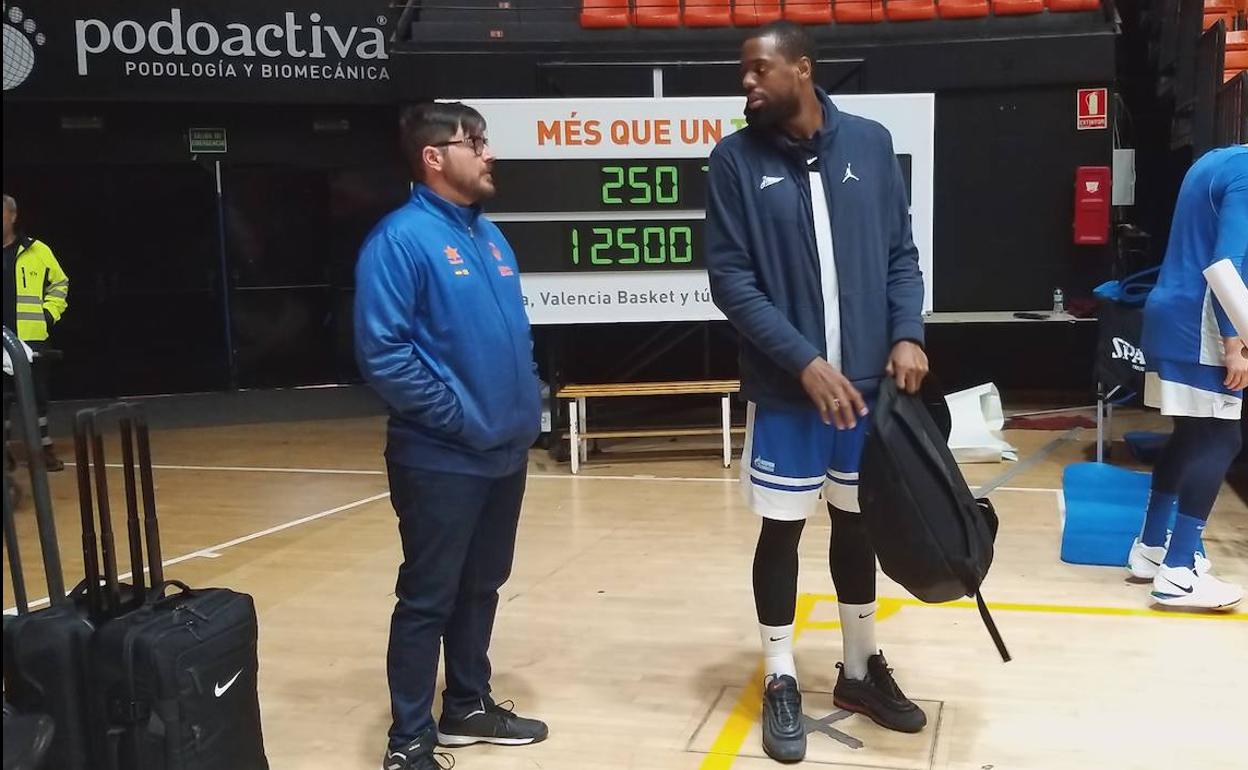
<point x="657" y="13"/>
<point x="963" y="9"/>
<point x="1236" y="54"/>
<point x="1066" y="6"/>
<point x="752" y="13"/>
<point x="1226" y="17"/>
<point x="1016" y="7"/>
<point x="858" y="11"/>
<point x="910" y="10"/>
<point x="708" y="13"/>
<point x="605" y="14"/>
<point x="809" y="11"/>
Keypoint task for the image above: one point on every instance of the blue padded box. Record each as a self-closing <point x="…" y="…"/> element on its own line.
<point x="1104" y="512"/>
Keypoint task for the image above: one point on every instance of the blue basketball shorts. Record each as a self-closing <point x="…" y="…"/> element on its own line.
<point x="791" y="458"/>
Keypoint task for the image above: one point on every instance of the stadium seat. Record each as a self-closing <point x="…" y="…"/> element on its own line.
<point x="1227" y="18"/>
<point x="708" y="13"/>
<point x="910" y="10"/>
<point x="1236" y="53"/>
<point x="809" y="11"/>
<point x="752" y="13"/>
<point x="858" y="11"/>
<point x="1067" y="6"/>
<point x="605" y="14"/>
<point x="1220" y="9"/>
<point x="1017" y="7"/>
<point x="963" y="9"/>
<point x="657" y="13"/>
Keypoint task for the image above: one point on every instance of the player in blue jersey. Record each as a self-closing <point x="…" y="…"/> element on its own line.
<point x="1197" y="370"/>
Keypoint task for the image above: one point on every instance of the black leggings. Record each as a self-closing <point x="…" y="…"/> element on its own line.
<point x="1195" y="460"/>
<point x="850" y="556"/>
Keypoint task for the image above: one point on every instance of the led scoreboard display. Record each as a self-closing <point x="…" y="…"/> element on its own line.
<point x="604" y="200"/>
<point x="663" y="201"/>
<point x="600" y="185"/>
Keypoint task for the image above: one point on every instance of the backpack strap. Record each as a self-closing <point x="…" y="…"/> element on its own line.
<point x="992" y="628"/>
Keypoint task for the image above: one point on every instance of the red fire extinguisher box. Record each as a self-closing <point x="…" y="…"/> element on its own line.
<point x="1093" y="188"/>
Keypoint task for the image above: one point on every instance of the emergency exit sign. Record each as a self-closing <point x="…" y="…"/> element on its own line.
<point x="206" y="140"/>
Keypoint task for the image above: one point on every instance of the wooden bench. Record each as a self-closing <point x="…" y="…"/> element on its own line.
<point x="578" y="429"/>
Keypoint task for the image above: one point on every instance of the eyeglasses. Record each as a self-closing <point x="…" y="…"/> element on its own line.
<point x="475" y="143"/>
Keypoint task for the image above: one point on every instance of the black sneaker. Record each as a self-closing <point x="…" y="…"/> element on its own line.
<point x="879" y="698"/>
<point x="495" y="723"/>
<point x="418" y="755"/>
<point x="784" y="730"/>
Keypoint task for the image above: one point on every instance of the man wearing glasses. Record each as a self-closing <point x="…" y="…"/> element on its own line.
<point x="441" y="334"/>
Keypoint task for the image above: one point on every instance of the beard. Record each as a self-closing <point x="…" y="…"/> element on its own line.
<point x="474" y="187"/>
<point x="773" y="114"/>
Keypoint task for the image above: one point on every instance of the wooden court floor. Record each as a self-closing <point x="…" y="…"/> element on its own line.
<point x="628" y="623"/>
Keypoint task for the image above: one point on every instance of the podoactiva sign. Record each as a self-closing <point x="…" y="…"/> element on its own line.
<point x="228" y="49"/>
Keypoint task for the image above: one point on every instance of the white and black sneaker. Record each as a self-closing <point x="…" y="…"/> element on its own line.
<point x="1186" y="587"/>
<point x="495" y="723"/>
<point x="784" y="730"/>
<point x="418" y="755"/>
<point x="1145" y="560"/>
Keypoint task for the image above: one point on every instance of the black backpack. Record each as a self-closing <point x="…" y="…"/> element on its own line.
<point x="930" y="533"/>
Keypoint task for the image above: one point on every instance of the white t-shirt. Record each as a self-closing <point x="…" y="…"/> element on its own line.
<point x="827" y="265"/>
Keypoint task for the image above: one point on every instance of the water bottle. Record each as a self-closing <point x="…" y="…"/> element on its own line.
<point x="1059" y="301"/>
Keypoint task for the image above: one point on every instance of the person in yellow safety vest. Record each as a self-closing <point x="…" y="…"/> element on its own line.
<point x="35" y="299"/>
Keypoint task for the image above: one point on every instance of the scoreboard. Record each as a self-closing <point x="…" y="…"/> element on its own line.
<point x="603" y="200"/>
<point x="602" y="215"/>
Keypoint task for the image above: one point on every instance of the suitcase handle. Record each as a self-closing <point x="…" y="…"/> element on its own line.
<point x="157" y="594"/>
<point x="25" y="391"/>
<point x="90" y="447"/>
<point x="15" y="556"/>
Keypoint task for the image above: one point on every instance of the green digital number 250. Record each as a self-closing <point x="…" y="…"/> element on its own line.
<point x="647" y="184"/>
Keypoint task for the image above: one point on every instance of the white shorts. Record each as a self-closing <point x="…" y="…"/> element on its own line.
<point x="1191" y="390"/>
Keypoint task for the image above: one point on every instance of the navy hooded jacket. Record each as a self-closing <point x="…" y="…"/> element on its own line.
<point x="764" y="264"/>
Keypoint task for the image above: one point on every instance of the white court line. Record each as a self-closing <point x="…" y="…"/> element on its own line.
<point x="254" y="469"/>
<point x="555" y="476"/>
<point x="720" y="479"/>
<point x="213" y="551"/>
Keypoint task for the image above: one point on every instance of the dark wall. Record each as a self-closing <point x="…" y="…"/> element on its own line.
<point x="235" y="270"/>
<point x="1005" y="173"/>
<point x="177" y="287"/>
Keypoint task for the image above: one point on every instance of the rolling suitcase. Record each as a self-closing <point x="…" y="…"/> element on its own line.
<point x="175" y="673"/>
<point x="45" y="650"/>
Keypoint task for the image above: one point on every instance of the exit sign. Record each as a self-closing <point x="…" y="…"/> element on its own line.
<point x="205" y="140"/>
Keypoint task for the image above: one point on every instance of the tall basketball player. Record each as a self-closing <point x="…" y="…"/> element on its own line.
<point x="811" y="258"/>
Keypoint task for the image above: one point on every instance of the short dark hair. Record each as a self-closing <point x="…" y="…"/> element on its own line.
<point x="426" y="123"/>
<point x="792" y="40"/>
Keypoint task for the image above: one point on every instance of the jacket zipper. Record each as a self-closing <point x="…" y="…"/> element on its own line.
<point x="17" y="263"/>
<point x="489" y="279"/>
